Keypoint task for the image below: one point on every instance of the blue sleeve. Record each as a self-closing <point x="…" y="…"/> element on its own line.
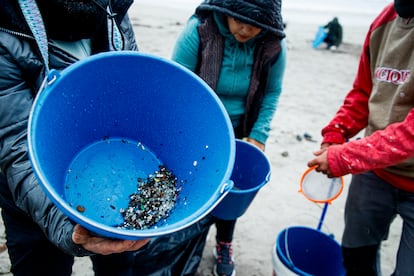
<point x="261" y="128"/>
<point x="186" y="48"/>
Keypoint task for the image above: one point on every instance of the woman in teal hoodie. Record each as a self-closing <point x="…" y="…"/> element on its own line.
<point x="237" y="48"/>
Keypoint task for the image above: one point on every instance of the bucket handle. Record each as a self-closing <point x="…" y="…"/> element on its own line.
<point x="267" y="179"/>
<point x="227" y="186"/>
<point x="224" y="190"/>
<point x="289" y="259"/>
<point x="49" y="79"/>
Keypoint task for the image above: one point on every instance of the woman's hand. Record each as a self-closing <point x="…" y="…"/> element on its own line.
<point x="104" y="246"/>
<point x="256" y="143"/>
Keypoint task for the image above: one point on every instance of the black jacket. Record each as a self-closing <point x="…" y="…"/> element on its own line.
<point x="21" y="74"/>
<point x="334" y="36"/>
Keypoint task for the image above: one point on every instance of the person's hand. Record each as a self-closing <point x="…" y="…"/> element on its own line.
<point x="321" y="160"/>
<point x="104" y="246"/>
<point x="256" y="143"/>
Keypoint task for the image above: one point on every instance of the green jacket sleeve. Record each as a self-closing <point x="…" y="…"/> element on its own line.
<point x="261" y="128"/>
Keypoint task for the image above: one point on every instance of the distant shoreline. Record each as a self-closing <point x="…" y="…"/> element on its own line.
<point x="353" y="13"/>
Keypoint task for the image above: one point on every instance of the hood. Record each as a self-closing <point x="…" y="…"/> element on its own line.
<point x="11" y="16"/>
<point x="265" y="14"/>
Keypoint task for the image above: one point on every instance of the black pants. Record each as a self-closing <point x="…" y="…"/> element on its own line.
<point x="29" y="251"/>
<point x="361" y="261"/>
<point x="31" y="254"/>
<point x="225" y="229"/>
<point x="178" y="254"/>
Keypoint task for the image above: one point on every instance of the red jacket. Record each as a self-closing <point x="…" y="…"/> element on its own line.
<point x="381" y="102"/>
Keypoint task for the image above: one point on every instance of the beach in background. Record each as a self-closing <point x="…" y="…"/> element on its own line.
<point x="315" y="83"/>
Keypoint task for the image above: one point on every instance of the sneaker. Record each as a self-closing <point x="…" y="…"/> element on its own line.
<point x="224" y="260"/>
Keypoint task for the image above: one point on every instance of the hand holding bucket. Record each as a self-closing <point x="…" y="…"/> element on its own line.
<point x="111" y="119"/>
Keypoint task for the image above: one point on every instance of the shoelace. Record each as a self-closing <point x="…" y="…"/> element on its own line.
<point x="224" y="253"/>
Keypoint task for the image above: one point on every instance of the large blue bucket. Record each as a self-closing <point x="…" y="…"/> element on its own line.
<point x="113" y="118"/>
<point x="307" y="252"/>
<point x="251" y="172"/>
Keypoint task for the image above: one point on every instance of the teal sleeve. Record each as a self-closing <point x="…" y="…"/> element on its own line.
<point x="185" y="51"/>
<point x="261" y="128"/>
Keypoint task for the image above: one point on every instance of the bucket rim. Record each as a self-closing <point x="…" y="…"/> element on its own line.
<point x="100" y="228"/>
<point x="290" y="264"/>
<point x="243" y="143"/>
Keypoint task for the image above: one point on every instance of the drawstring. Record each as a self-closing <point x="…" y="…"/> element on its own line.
<point x="34" y="20"/>
<point x="114" y="34"/>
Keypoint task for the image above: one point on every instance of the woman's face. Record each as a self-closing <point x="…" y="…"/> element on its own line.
<point x="242" y="32"/>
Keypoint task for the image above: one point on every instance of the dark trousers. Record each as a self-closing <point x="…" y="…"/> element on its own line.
<point x="177" y="254"/>
<point x="361" y="261"/>
<point x="371" y="206"/>
<point x="225" y="229"/>
<point x="31" y="254"/>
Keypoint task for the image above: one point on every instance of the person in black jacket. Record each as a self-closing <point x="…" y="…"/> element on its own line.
<point x="334" y="36"/>
<point x="40" y="239"/>
<point x="35" y="36"/>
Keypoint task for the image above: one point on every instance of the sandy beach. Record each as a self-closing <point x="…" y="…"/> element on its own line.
<point x="316" y="81"/>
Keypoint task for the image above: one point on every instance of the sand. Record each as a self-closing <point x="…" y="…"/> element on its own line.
<point x="316" y="81"/>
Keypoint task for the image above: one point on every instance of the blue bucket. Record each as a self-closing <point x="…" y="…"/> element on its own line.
<point x="305" y="251"/>
<point x="251" y="172"/>
<point x="113" y="118"/>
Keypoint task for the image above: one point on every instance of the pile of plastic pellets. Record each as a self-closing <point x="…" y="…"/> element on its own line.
<point x="154" y="200"/>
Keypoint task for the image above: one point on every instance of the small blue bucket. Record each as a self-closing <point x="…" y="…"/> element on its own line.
<point x="305" y="251"/>
<point x="319" y="37"/>
<point x="251" y="171"/>
<point x="113" y="118"/>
